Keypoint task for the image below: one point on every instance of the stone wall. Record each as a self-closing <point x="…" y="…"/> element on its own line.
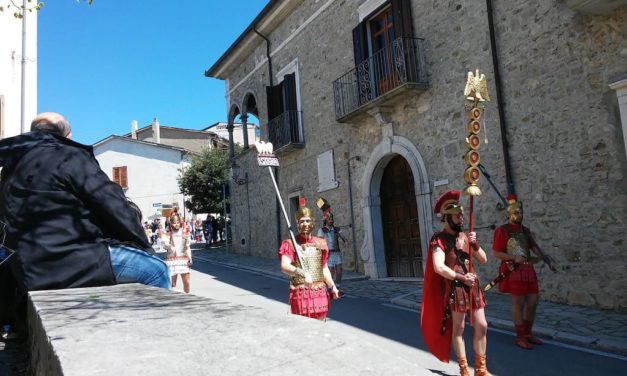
<point x="565" y="141"/>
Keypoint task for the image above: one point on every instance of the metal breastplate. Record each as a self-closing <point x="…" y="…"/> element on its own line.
<point x="517" y="245"/>
<point x="312" y="257"/>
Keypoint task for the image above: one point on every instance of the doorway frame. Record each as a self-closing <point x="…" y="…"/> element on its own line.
<point x="373" y="248"/>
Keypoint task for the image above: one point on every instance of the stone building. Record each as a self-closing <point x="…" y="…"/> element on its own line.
<point x="364" y="103"/>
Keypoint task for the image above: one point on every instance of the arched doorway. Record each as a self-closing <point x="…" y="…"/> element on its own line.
<point x="399" y="217"/>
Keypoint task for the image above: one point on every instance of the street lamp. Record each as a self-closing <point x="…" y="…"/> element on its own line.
<point x="236" y="174"/>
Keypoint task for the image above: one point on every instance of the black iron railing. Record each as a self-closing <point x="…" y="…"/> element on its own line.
<point x="286" y="130"/>
<point x="400" y="63"/>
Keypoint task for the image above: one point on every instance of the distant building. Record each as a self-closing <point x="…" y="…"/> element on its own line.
<point x="11" y="71"/>
<point x="188" y="139"/>
<point x="221" y="130"/>
<point x="147" y="171"/>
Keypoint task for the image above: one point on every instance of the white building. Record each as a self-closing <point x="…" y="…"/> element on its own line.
<point x="220" y="128"/>
<point x="11" y="71"/>
<point x="146" y="171"/>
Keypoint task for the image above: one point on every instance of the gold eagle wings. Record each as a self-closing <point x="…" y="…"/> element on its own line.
<point x="476" y="87"/>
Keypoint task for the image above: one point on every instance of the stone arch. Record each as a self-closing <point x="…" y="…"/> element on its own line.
<point x="249" y="104"/>
<point x="234" y="110"/>
<point x="373" y="250"/>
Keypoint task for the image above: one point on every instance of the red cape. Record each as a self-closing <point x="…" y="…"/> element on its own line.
<point x="432" y="313"/>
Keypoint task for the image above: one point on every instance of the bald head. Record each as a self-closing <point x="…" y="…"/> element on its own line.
<point x="51" y="122"/>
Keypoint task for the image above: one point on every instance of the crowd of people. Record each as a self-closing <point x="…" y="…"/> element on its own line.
<point x="208" y="231"/>
<point x="49" y="182"/>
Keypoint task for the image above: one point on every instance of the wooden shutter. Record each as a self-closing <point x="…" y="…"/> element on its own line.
<point x="360" y="42"/>
<point x="116" y="175"/>
<point x="120" y="176"/>
<point x="401" y="13"/>
<point x="274" y="95"/>
<point x="291" y="106"/>
<point x="123" y="177"/>
<point x="289" y="92"/>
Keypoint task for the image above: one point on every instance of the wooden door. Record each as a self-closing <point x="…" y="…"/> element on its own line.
<point x="399" y="212"/>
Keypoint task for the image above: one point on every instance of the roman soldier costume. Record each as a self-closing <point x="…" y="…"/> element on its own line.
<point x="442" y="296"/>
<point x="307" y="301"/>
<point x="521" y="279"/>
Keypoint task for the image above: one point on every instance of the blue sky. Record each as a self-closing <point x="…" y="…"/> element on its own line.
<point x="105" y="64"/>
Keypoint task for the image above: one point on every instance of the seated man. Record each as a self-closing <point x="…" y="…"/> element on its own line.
<point x="68" y="223"/>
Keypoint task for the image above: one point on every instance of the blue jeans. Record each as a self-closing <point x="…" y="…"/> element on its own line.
<point x="132" y="265"/>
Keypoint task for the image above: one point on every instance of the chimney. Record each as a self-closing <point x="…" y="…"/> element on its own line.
<point x="156" y="132"/>
<point x="134" y="129"/>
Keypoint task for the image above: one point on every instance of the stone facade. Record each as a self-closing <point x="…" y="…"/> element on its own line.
<point x="568" y="160"/>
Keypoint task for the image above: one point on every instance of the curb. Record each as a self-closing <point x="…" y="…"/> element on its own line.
<point x="600" y="344"/>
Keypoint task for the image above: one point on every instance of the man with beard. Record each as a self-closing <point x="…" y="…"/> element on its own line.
<point x="451" y="291"/>
<point x="308" y="294"/>
<point x="513" y="244"/>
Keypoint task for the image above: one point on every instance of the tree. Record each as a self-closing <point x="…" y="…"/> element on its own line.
<point x="27" y="5"/>
<point x="203" y="181"/>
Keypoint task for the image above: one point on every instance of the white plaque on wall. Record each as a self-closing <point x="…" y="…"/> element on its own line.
<point x="326" y="172"/>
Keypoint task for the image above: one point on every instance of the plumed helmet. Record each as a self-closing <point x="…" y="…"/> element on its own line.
<point x="448" y="203"/>
<point x="303" y="211"/>
<point x="513" y="204"/>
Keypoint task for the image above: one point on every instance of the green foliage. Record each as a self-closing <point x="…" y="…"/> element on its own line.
<point x="28" y="6"/>
<point x="203" y="181"/>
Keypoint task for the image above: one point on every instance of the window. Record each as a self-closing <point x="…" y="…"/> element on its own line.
<point x="120" y="176"/>
<point x="373" y="45"/>
<point x="283" y="100"/>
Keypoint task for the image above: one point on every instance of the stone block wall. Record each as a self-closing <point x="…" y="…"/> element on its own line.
<point x="565" y="140"/>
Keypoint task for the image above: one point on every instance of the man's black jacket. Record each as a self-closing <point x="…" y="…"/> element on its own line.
<point x="61" y="211"/>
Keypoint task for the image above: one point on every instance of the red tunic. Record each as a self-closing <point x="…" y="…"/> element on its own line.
<point x="437" y="290"/>
<point x="310" y="302"/>
<point x="516" y="239"/>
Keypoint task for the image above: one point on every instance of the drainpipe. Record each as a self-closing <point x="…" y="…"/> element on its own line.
<point x="350" y="200"/>
<point x="276" y="170"/>
<point x="499" y="100"/>
<point x="267" y="54"/>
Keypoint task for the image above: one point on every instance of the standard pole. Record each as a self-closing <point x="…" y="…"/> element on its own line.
<point x="287" y="219"/>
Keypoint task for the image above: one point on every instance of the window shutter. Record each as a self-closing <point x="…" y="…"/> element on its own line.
<point x="289" y="92"/>
<point x="401" y="13"/>
<point x="360" y="42"/>
<point x="116" y="175"/>
<point x="275" y="100"/>
<point x="291" y="106"/>
<point x="123" y="177"/>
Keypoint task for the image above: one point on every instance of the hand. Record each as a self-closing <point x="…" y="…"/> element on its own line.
<point x="335" y="293"/>
<point x="519" y="259"/>
<point x="308" y="280"/>
<point x="469" y="279"/>
<point x="472" y="238"/>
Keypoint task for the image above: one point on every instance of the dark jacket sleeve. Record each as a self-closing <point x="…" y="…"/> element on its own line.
<point x="106" y="201"/>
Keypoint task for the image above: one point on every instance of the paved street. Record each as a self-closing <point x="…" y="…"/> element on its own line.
<point x="587" y="327"/>
<point x="385" y="312"/>
<point x="394" y="328"/>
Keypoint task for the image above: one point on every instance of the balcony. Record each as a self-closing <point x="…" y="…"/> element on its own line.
<point x="596" y="7"/>
<point x="285" y="131"/>
<point x="378" y="80"/>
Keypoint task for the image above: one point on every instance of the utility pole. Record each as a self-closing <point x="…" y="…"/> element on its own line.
<point x="23" y="83"/>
